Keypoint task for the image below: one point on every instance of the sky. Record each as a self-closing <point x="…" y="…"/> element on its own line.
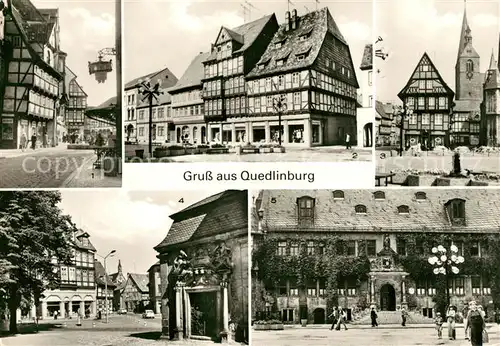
<point x="87" y="26"/>
<point x="130" y="222"/>
<point x="170" y="33"/>
<point x="431" y="26"/>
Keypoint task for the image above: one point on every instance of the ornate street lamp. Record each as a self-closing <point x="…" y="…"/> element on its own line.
<point x="402" y="113"/>
<point x="280" y="106"/>
<point x="445" y="263"/>
<point x="150" y="93"/>
<point x="101" y="68"/>
<point x="106" y="282"/>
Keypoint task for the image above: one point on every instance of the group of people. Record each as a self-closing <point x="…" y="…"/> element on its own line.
<point x="339" y="317"/>
<point x="474" y="323"/>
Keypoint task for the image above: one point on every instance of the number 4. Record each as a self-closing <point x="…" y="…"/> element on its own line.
<point x="181" y="200"/>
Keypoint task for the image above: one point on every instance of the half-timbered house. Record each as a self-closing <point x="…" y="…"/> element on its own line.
<point x="33" y="73"/>
<point x="491" y="105"/>
<point x="308" y="63"/>
<point x="75" y="106"/>
<point x="233" y="55"/>
<point x="430" y="101"/>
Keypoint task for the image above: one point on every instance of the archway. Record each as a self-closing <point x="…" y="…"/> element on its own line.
<point x="387" y="298"/>
<point x="203" y="135"/>
<point x="129" y="131"/>
<point x="319" y="316"/>
<point x="178" y="139"/>
<point x="368" y="135"/>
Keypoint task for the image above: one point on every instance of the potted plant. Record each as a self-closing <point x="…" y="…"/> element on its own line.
<point x="177" y="150"/>
<point x="278" y="148"/>
<point x="161" y="152"/>
<point x="203" y="148"/>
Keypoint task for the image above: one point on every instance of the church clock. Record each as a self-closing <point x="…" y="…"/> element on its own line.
<point x="469" y="75"/>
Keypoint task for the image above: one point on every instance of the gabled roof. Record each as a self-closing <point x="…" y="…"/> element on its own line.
<point x="245" y="34"/>
<point x="367" y="60"/>
<point x="482" y="210"/>
<point x="381" y="110"/>
<point x="100" y="275"/>
<point x="465" y="48"/>
<point x="315" y="25"/>
<point x="167" y="77"/>
<point x="79" y="243"/>
<point x="105" y="111"/>
<point x="141" y="281"/>
<point x="193" y="75"/>
<point x="492" y="75"/>
<point x="214" y="215"/>
<point x="425" y="59"/>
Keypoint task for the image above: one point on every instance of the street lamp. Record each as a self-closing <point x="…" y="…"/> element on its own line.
<point x="150" y="93"/>
<point x="445" y="263"/>
<point x="280" y="106"/>
<point x="106" y="282"/>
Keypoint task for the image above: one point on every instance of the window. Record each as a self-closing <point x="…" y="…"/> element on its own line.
<point x="287" y="315"/>
<point x="442" y="103"/>
<point x="421" y="102"/>
<point x="295" y="79"/>
<point x="421" y="287"/>
<point x="370" y="78"/>
<point x="412" y="119"/>
<point x="426" y="119"/>
<point x="322" y="287"/>
<point x="311" y="288"/>
<point x="294" y="290"/>
<point x="460" y="247"/>
<point x="420" y="195"/>
<point x="456" y="211"/>
<point x="310" y="248"/>
<point x="351" y="248"/>
<point x="438" y="119"/>
<point x="403" y="209"/>
<point x="476" y="284"/>
<point x="459" y="286"/>
<point x="338" y="194"/>
<point x="360" y="209"/>
<point x="470" y="66"/>
<point x="486" y="285"/>
<point x="371" y="247"/>
<point x="294" y="249"/>
<point x="474" y="249"/>
<point x="351" y="286"/>
<point x="419" y="247"/>
<point x="278" y="44"/>
<point x="379" y="195"/>
<point x="401" y="246"/>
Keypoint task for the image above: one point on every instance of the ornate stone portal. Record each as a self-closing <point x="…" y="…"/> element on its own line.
<point x="387" y="279"/>
<point x="197" y="292"/>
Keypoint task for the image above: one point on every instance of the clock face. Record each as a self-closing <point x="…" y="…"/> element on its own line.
<point x="469" y="75"/>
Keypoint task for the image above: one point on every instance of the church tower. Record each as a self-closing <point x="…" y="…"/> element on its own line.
<point x="120" y="267"/>
<point x="468" y="80"/>
<point x="491" y="107"/>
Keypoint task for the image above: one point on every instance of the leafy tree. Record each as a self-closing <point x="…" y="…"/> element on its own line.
<point x="34" y="236"/>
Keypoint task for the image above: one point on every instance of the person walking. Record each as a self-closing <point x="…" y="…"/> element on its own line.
<point x="23" y="141"/>
<point x="348" y="141"/>
<point x="334" y="316"/>
<point x="33" y="140"/>
<point x="475" y="321"/>
<point x="373" y="315"/>
<point x="465" y="313"/>
<point x="439" y="325"/>
<point x="341" y="319"/>
<point x="450" y="317"/>
<point x="404" y="316"/>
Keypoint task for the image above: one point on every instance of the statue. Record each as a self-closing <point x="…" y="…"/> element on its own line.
<point x="387" y="242"/>
<point x="222" y="258"/>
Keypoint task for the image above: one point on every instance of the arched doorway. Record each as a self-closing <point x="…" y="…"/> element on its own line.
<point x="178" y="135"/>
<point x="203" y="135"/>
<point x="130" y="131"/>
<point x="368" y="135"/>
<point x="195" y="135"/>
<point x="387" y="298"/>
<point x="319" y="316"/>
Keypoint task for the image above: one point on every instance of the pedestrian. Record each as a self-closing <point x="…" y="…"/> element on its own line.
<point x="55" y="315"/>
<point x="348" y="141"/>
<point x="373" y="315"/>
<point x="439" y="324"/>
<point x="33" y="140"/>
<point x="450" y="317"/>
<point x="23" y="141"/>
<point x="334" y="316"/>
<point x="475" y="320"/>
<point x="45" y="139"/>
<point x="404" y="316"/>
<point x="465" y="313"/>
<point x="341" y="319"/>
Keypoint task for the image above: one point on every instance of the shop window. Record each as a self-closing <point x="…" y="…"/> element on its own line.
<point x="459" y="286"/>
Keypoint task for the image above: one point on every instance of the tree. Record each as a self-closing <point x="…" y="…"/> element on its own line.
<point x="35" y="236"/>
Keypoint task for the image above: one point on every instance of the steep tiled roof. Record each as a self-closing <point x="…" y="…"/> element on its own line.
<point x="168" y="79"/>
<point x="141" y="281"/>
<point x="380" y="109"/>
<point x="28" y="11"/>
<point x="154" y="265"/>
<point x="193" y="74"/>
<point x="367" y="60"/>
<point x="482" y="209"/>
<point x="100" y="274"/>
<point x="245" y="34"/>
<point x="214" y="215"/>
<point x="316" y="24"/>
<point x="163" y="99"/>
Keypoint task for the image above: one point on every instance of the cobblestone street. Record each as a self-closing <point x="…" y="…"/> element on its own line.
<point x="316" y="154"/>
<point x="366" y="336"/>
<point x="51" y="169"/>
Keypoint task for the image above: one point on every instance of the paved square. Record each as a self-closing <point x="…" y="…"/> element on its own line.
<point x="363" y="337"/>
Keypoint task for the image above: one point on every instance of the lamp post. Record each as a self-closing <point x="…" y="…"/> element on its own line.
<point x="106" y="282"/>
<point x="150" y="93"/>
<point x="279" y="105"/>
<point x="445" y="263"/>
<point x="403" y="112"/>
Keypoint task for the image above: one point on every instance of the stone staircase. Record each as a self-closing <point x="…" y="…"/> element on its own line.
<point x="394" y="317"/>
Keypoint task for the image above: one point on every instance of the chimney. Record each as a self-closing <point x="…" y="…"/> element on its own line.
<point x="287" y="21"/>
<point x="212" y="47"/>
<point x="294" y="19"/>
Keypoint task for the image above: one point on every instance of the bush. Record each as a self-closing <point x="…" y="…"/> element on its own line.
<point x="175" y="147"/>
<point x="203" y="146"/>
<point x="217" y="145"/>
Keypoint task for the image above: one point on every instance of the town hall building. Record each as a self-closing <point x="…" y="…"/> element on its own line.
<point x="317" y="249"/>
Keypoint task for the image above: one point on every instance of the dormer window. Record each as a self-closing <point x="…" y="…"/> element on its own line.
<point x="305" y="211"/>
<point x="263" y="63"/>
<point x="278" y="45"/>
<point x="420" y="196"/>
<point x="305" y="35"/>
<point x="379" y="195"/>
<point x="280" y="62"/>
<point x="456" y="211"/>
<point x="304" y="53"/>
<point x="403" y="209"/>
<point x="301" y="57"/>
<point x="360" y="209"/>
<point x="338" y="195"/>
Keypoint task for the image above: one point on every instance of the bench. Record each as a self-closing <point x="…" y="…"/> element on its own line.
<point x="387" y="177"/>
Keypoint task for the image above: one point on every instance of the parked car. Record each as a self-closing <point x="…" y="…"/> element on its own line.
<point x="122" y="311"/>
<point x="148" y="314"/>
